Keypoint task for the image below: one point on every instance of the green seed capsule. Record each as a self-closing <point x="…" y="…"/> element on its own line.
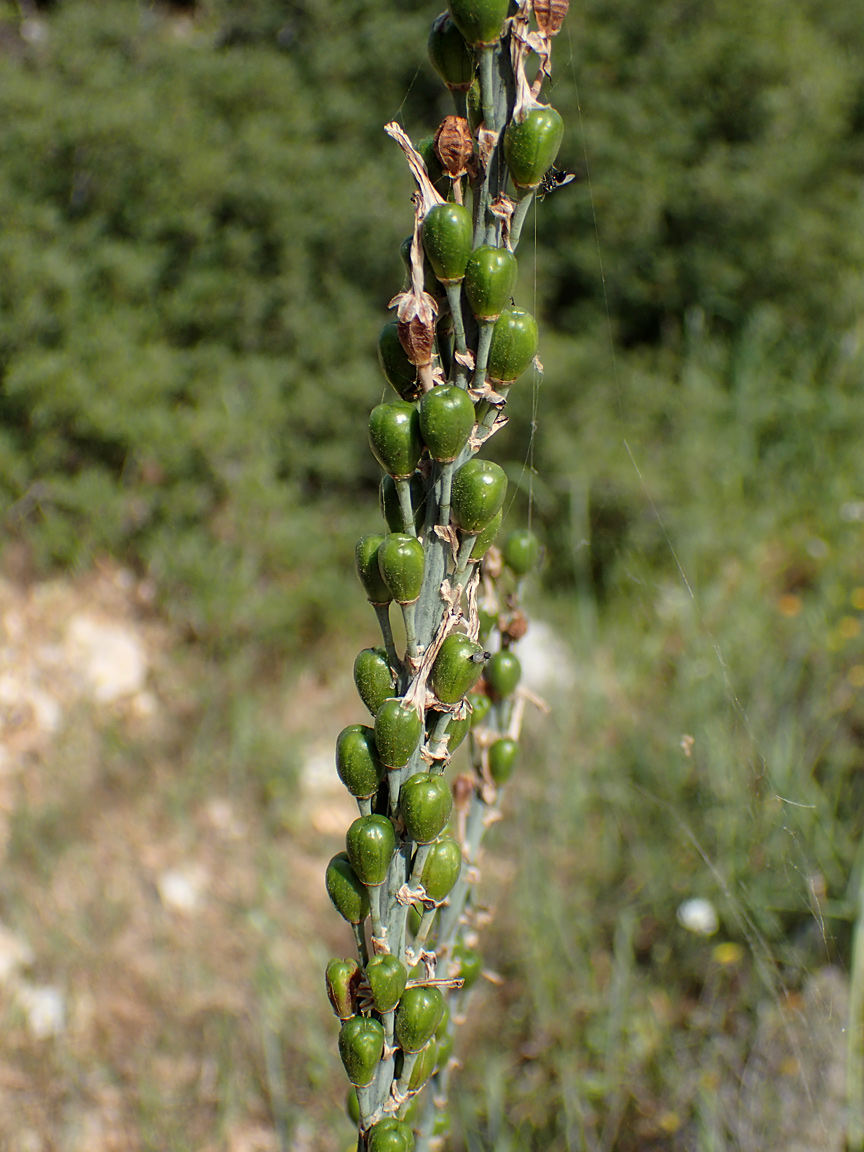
<point x="480" y="706"/>
<point x="397" y="732"/>
<point x="479" y="21"/>
<point x="401" y="561"/>
<point x="447" y="234"/>
<point x="387" y="976"/>
<point x="457" y="668"/>
<point x="390" y="1135"/>
<point x="441" y="869"/>
<point x="530" y="147"/>
<point x="477" y="495"/>
<point x="373" y="679"/>
<point x="391" y="509"/>
<point x="502" y="674"/>
<point x="370" y="843"/>
<point x="352" y="1105"/>
<point x="449" y="55"/>
<point x="446" y="421"/>
<point x="398" y="370"/>
<point x="343" y="979"/>
<point x="361" y="1046"/>
<point x="415" y="915"/>
<point x="486" y="538"/>
<point x="417" y="1017"/>
<point x="469" y="964"/>
<point x="425" y="804"/>
<point x="346" y="890"/>
<point x="503" y="756"/>
<point x="445" y="1050"/>
<point x="368" y="572"/>
<point x="514" y="345"/>
<point x="457" y="730"/>
<point x="394" y="437"/>
<point x="357" y="762"/>
<point x="521" y="552"/>
<point x="489" y="278"/>
<point x="424" y="1066"/>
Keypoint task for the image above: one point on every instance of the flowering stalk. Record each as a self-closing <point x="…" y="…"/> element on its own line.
<point x="410" y="866"/>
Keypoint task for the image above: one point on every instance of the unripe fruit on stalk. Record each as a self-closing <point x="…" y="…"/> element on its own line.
<point x="352" y="1105"/>
<point x="446" y="421"/>
<point x="503" y="756"/>
<point x="502" y="674"/>
<point x="489" y="278"/>
<point x="480" y="706"/>
<point x="468" y="963"/>
<point x="447" y="233"/>
<point x="486" y="538"/>
<point x="449" y="55"/>
<point x="343" y="978"/>
<point x="415" y="915"/>
<point x="479" y="21"/>
<point x="373" y="679"/>
<point x="391" y="510"/>
<point x="370" y="843"/>
<point x="398" y="370"/>
<point x="457" y="668"/>
<point x="387" y="977"/>
<point x="457" y="730"/>
<point x="417" y="1017"/>
<point x="424" y="1066"/>
<point x="401" y="561"/>
<point x="390" y="1135"/>
<point x="346" y="891"/>
<point x="425" y="804"/>
<point x="361" y="1046"/>
<point x="357" y="762"/>
<point x="397" y="732"/>
<point x="477" y="494"/>
<point x="368" y="572"/>
<point x="445" y="1050"/>
<point x="514" y="345"/>
<point x="394" y="437"/>
<point x="530" y="146"/>
<point x="441" y="868"/>
<point x="521" y="551"/>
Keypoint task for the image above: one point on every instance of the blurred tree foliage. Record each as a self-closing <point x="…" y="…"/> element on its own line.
<point x="201" y="220"/>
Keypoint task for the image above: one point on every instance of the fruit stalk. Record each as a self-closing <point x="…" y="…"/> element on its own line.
<point x="412" y="860"/>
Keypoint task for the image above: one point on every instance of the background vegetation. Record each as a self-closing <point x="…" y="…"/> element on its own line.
<point x="200" y="227"/>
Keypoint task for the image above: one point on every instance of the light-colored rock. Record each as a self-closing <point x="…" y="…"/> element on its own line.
<point x="110" y="657"/>
<point x="44" y="1006"/>
<point x="182" y="889"/>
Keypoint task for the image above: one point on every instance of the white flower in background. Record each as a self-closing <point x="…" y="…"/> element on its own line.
<point x="699" y="916"/>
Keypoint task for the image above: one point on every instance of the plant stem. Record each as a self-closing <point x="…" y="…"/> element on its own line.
<point x="382" y="611"/>
<point x="403" y="491"/>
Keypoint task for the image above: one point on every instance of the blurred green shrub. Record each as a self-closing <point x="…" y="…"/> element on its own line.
<point x="200" y="221"/>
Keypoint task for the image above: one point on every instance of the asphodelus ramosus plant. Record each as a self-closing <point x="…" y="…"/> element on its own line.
<point x="407" y="877"/>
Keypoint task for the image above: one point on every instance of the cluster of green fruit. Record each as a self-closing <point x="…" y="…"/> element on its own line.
<point x="455" y="349"/>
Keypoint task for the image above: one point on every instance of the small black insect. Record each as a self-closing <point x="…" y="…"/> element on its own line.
<point x="553" y="180"/>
